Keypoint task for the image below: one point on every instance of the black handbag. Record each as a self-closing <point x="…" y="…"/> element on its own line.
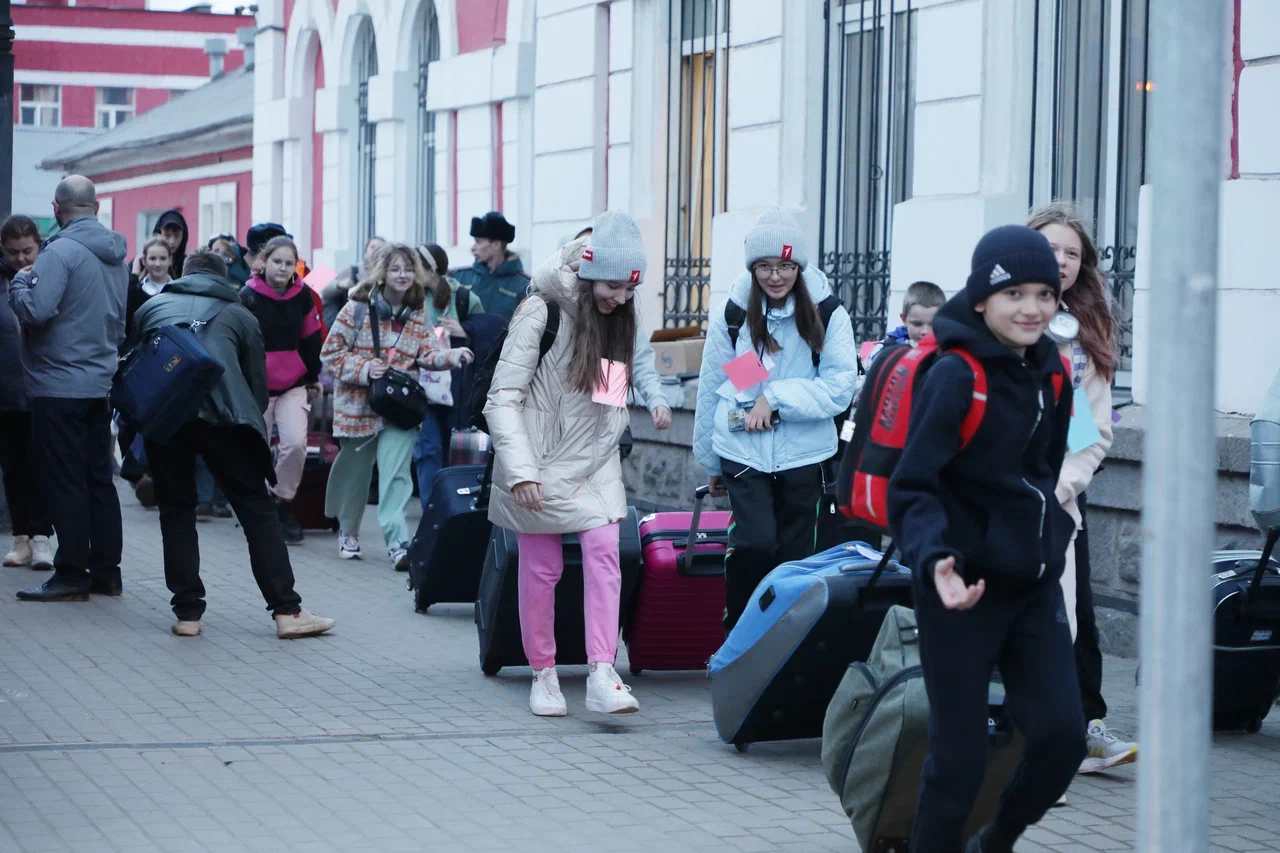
<point x="396" y="396"/>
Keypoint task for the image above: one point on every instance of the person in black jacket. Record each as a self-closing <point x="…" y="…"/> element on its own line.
<point x="988" y="541"/>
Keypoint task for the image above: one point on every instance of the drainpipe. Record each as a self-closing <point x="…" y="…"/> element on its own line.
<point x="246" y="36"/>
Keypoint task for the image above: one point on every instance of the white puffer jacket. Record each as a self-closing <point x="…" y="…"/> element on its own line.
<point x="545" y="431"/>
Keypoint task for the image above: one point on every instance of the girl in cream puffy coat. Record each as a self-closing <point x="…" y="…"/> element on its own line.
<point x="1093" y="355"/>
<point x="557" y="469"/>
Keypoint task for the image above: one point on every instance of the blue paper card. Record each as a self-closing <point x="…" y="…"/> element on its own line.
<point x="1083" y="431"/>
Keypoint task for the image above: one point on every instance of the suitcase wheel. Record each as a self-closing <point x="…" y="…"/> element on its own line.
<point x="635" y="670"/>
<point x="740" y="745"/>
<point x="420" y="608"/>
<point x="1255" y="726"/>
<point x="490" y="668"/>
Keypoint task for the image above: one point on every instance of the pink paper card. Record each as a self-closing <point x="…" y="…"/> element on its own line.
<point x="442" y="336"/>
<point x="745" y="371"/>
<point x="319" y="277"/>
<point x="614" y="392"/>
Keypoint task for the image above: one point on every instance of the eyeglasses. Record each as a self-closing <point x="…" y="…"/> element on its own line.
<point x="781" y="270"/>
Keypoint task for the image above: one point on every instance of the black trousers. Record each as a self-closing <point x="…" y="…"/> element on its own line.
<point x="231" y="455"/>
<point x="1026" y="636"/>
<point x="71" y="447"/>
<point x="25" y="504"/>
<point x="1088" y="654"/>
<point x="774" y="520"/>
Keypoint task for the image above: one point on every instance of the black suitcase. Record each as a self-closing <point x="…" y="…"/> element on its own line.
<point x="497" y="605"/>
<point x="779" y="687"/>
<point x="448" y="550"/>
<point x="1246" y="637"/>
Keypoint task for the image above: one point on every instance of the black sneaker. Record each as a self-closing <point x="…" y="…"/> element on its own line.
<point x="222" y="511"/>
<point x="56" y="589"/>
<point x="145" y="491"/>
<point x="292" y="530"/>
<point x="204" y="511"/>
<point x="106" y="586"/>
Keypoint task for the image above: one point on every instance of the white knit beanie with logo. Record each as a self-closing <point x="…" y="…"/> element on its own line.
<point x="616" y="252"/>
<point x="777" y="235"/>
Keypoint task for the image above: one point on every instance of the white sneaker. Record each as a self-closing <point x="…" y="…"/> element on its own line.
<point x="20" y="553"/>
<point x="1062" y="801"/>
<point x="41" y="553"/>
<point x="399" y="558"/>
<point x="301" y="624"/>
<point x="348" y="547"/>
<point x="1106" y="750"/>
<point x="545" y="698"/>
<point x="606" y="694"/>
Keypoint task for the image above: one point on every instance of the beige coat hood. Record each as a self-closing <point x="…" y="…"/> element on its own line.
<point x="545" y="431"/>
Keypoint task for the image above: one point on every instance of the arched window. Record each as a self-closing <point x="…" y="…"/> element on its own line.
<point x="366" y="57"/>
<point x="428" y="51"/>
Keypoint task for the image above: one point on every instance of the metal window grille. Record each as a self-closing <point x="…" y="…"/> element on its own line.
<point x="1087" y="145"/>
<point x="697" y="136"/>
<point x="867" y="139"/>
<point x="428" y="52"/>
<point x="366" y="137"/>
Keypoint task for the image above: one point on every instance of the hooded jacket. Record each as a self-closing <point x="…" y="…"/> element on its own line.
<point x="71" y="306"/>
<point x="500" y="290"/>
<point x="233" y="338"/>
<point x="13" y="395"/>
<point x="991" y="505"/>
<point x="292" y="329"/>
<point x="174" y="217"/>
<point x="806" y="398"/>
<point x="545" y="430"/>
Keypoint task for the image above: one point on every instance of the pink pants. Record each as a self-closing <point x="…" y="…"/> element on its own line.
<point x="541" y="564"/>
<point x="290" y="412"/>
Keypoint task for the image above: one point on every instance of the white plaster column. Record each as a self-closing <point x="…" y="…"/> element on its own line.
<point x="335" y="120"/>
<point x="268" y="87"/>
<point x="393" y="106"/>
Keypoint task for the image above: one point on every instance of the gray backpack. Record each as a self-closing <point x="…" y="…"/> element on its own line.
<point x="875" y="739"/>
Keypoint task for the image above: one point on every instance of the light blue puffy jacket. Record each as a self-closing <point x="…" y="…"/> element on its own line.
<point x="805" y="397"/>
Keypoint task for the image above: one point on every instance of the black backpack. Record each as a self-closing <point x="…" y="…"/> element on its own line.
<point x="735" y="315"/>
<point x="484" y="373"/>
<point x="462" y="302"/>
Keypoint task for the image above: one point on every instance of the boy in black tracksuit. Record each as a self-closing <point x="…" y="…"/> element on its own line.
<point x="988" y="541"/>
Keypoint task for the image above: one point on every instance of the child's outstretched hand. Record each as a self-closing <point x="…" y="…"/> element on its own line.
<point x="951" y="587"/>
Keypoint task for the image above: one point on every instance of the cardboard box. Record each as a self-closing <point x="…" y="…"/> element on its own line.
<point x="676" y="358"/>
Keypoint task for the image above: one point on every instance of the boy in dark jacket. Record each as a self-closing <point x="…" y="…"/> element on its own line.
<point x="230" y="434"/>
<point x="988" y="542"/>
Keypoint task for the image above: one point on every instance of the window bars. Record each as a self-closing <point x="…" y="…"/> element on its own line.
<point x="366" y="138"/>
<point x="428" y="52"/>
<point x="1089" y="130"/>
<point x="867" y="150"/>
<point x="697" y="136"/>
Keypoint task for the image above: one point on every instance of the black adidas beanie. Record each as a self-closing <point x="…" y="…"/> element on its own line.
<point x="1007" y="256"/>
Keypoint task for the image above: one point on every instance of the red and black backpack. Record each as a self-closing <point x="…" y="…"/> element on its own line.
<point x="881" y="419"/>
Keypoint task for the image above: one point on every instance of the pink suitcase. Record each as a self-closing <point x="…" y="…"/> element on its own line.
<point x="677" y="617"/>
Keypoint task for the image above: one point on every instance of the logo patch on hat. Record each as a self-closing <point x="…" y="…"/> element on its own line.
<point x="588" y="255"/>
<point x="635" y="277"/>
<point x="998" y="275"/>
<point x="786" y="252"/>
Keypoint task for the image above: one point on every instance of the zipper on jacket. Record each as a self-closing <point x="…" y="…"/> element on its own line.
<point x="1044" y="506"/>
<point x="898" y="677"/>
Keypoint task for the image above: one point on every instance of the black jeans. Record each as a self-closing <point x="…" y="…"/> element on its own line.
<point x="231" y="454"/>
<point x="1026" y="636"/>
<point x="71" y="448"/>
<point x="1088" y="654"/>
<point x="774" y="521"/>
<point x="26" y="506"/>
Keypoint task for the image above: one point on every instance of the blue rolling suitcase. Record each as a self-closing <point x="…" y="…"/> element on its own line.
<point x="805" y="623"/>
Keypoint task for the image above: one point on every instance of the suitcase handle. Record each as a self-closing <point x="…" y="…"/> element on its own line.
<point x="703" y="565"/>
<point x="686" y="564"/>
<point x="1273" y="536"/>
<point x="875" y="576"/>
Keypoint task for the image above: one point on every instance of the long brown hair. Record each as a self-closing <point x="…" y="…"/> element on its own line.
<point x="1087" y="300"/>
<point x="808" y="323"/>
<point x="599" y="336"/>
<point x="434" y="258"/>
<point x="415" y="297"/>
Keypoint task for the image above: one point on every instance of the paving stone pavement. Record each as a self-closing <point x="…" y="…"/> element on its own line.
<point x="384" y="736"/>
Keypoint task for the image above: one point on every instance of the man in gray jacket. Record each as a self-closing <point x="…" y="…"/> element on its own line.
<point x="71" y="304"/>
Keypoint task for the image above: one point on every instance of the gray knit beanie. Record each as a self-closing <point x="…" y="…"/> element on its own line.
<point x="777" y="235"/>
<point x="616" y="252"/>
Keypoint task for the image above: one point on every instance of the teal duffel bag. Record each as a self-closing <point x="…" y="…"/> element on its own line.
<point x="876" y="735"/>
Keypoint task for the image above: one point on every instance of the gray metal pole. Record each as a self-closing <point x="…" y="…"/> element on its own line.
<point x="1189" y="73"/>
